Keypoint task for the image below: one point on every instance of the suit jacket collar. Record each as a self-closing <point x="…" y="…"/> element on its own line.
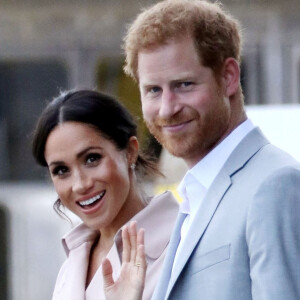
<point x="247" y="148"/>
<point x="237" y="160"/>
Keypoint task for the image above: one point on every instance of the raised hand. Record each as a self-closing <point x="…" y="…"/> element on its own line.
<point x="130" y="284"/>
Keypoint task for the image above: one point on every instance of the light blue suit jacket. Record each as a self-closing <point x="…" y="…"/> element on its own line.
<point x="245" y="240"/>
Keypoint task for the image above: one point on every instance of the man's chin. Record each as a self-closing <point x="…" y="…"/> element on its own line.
<point x="175" y="149"/>
<point x="174" y="146"/>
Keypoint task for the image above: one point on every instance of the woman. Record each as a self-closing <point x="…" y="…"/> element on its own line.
<point x="88" y="142"/>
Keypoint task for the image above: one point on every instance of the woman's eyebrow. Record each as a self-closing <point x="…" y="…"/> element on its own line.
<point x="81" y="153"/>
<point x="78" y="155"/>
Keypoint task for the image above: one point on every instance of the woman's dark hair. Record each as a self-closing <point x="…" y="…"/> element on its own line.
<point x="102" y="112"/>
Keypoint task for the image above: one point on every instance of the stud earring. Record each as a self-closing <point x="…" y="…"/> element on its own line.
<point x="132" y="166"/>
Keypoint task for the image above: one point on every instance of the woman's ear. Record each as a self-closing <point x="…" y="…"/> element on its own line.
<point x="132" y="150"/>
<point x="231" y="76"/>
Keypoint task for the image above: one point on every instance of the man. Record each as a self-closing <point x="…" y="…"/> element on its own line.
<point x="237" y="235"/>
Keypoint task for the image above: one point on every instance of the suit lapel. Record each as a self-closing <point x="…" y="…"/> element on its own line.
<point x="164" y="279"/>
<point x="200" y="223"/>
<point x="237" y="160"/>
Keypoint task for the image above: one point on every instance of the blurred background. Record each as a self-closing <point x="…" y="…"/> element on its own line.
<point x="48" y="46"/>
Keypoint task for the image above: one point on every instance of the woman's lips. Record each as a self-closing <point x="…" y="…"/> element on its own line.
<point x="91" y="204"/>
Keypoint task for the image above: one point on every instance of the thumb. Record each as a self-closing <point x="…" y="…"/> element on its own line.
<point x="107" y="274"/>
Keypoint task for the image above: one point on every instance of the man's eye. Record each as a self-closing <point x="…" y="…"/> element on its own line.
<point x="186" y="84"/>
<point x="154" y="89"/>
<point x="93" y="158"/>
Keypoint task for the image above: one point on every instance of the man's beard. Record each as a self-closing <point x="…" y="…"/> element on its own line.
<point x="203" y="134"/>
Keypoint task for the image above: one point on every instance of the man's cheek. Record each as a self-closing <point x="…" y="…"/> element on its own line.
<point x="148" y="112"/>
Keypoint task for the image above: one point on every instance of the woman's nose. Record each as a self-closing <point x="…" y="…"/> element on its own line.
<point x="81" y="182"/>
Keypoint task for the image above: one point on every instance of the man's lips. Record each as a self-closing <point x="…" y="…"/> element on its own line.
<point x="175" y="127"/>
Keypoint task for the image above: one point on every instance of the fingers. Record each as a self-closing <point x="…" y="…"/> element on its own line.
<point x="141" y="263"/>
<point x="140" y="237"/>
<point x="133" y="241"/>
<point x="126" y="244"/>
<point x="107" y="274"/>
<point x="140" y="257"/>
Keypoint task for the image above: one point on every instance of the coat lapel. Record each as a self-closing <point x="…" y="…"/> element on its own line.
<point x="200" y="223"/>
<point x="164" y="279"/>
<point x="72" y="285"/>
<point x="240" y="156"/>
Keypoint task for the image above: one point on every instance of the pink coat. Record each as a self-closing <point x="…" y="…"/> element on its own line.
<point x="157" y="218"/>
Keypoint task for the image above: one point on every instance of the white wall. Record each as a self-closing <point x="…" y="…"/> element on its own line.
<point x="280" y="124"/>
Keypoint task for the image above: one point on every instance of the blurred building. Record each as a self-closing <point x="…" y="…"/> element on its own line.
<point x="30" y="248"/>
<point x="46" y="46"/>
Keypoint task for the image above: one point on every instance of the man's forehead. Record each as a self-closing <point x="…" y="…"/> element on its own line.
<point x="167" y="63"/>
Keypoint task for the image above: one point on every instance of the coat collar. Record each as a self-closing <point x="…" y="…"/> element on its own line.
<point x="247" y="148"/>
<point x="160" y="213"/>
<point x="77" y="236"/>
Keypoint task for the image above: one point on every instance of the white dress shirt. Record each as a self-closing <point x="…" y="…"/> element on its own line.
<point x="198" y="180"/>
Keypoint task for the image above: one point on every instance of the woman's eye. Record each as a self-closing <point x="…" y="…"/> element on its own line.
<point x="60" y="171"/>
<point x="93" y="158"/>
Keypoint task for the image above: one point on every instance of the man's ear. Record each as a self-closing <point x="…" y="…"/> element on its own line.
<point x="231" y="76"/>
<point x="132" y="150"/>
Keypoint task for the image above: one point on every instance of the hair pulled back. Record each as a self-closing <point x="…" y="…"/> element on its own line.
<point x="98" y="110"/>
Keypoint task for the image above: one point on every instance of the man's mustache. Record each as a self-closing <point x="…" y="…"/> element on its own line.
<point x="175" y="120"/>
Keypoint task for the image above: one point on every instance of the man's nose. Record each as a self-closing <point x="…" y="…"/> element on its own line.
<point x="169" y="105"/>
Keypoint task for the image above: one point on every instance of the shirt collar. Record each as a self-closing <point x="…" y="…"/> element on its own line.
<point x="206" y="170"/>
